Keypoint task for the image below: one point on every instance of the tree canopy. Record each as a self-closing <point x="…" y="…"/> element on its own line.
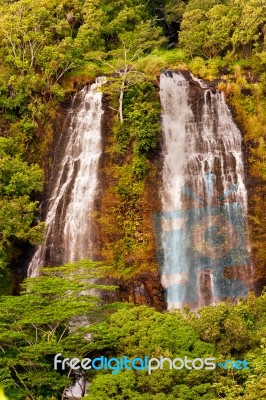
<point x="46" y="320"/>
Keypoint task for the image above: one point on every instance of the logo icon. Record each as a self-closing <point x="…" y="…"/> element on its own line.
<point x="201" y="251"/>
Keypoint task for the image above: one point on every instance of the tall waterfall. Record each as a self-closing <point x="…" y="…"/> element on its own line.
<point x="69" y="236"/>
<point x="201" y="230"/>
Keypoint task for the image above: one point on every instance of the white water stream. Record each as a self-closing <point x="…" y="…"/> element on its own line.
<point x="204" y="199"/>
<point x="69" y="236"/>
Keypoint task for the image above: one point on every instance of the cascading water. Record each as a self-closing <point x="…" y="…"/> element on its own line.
<point x="69" y="236"/>
<point x="200" y="232"/>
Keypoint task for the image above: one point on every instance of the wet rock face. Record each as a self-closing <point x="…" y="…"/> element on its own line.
<point x="143" y="287"/>
<point x="49" y="165"/>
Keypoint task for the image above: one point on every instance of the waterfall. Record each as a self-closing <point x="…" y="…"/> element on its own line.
<point x="69" y="235"/>
<point x="200" y="232"/>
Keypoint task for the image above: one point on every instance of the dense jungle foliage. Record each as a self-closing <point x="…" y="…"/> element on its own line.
<point x="48" y="50"/>
<point x="52" y="317"/>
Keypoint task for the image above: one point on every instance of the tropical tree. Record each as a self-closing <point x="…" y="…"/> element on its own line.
<point x="137" y="332"/>
<point x="18" y="181"/>
<point x="49" y="317"/>
<point x="126" y="33"/>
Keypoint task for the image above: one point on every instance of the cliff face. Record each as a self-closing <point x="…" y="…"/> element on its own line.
<point x="239" y="102"/>
<point x="134" y="268"/>
<point x="143" y="281"/>
<point x="252" y="125"/>
<point x="140" y="283"/>
<point x="125" y="203"/>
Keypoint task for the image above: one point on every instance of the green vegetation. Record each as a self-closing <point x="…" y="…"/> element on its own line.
<point x="210" y="28"/>
<point x="49" y="50"/>
<point x="18" y="180"/>
<point x="46" y="320"/>
<point x="128" y="235"/>
<point x="223" y="331"/>
<point x="43" y="321"/>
